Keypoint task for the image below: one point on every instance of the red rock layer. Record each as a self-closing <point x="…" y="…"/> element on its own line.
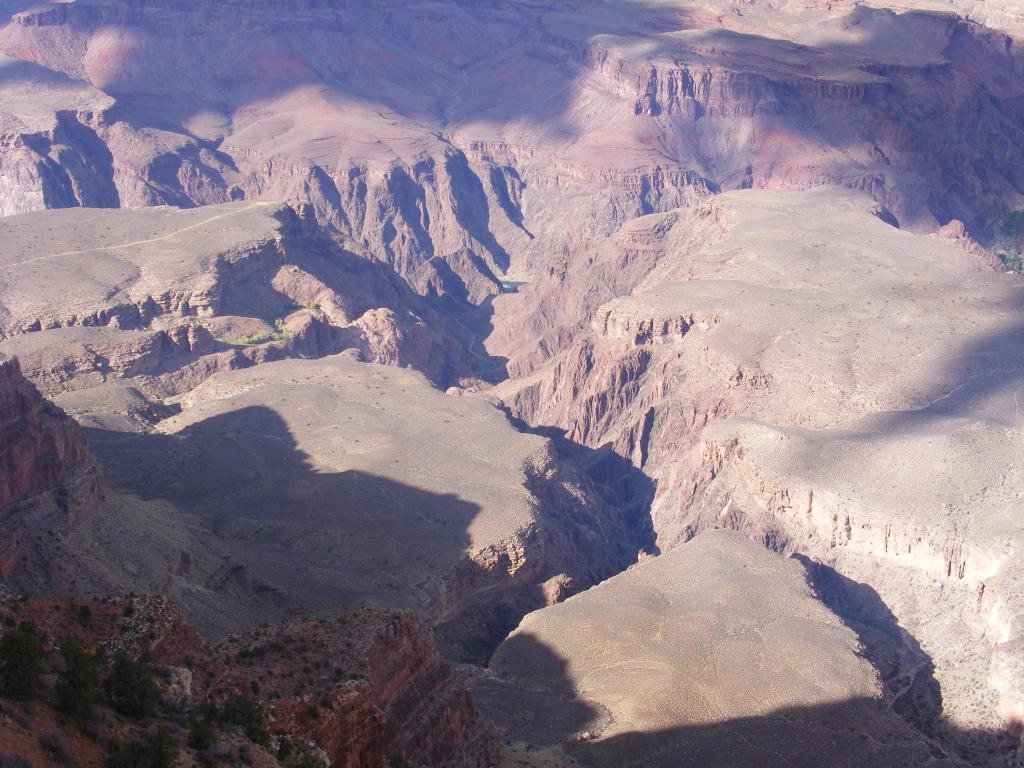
<point x="44" y="461"/>
<point x="367" y="689"/>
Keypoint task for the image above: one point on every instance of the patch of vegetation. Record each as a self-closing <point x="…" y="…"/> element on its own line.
<point x="1014" y="262"/>
<point x="259" y="651"/>
<point x="244" y="712"/>
<point x="1009" y="234"/>
<point x="202" y="735"/>
<point x="52" y="744"/>
<point x="280" y="333"/>
<point x="158" y="751"/>
<point x="307" y="760"/>
<point x="131" y="688"/>
<point x="14" y="761"/>
<point x="293" y="754"/>
<point x="1013" y="224"/>
<point x="21" y="662"/>
<point x="78" y="685"/>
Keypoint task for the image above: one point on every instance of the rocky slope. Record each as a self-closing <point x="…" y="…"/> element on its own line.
<point x="715" y="654"/>
<point x="162" y="298"/>
<point x="302" y="486"/>
<point x="361" y="689"/>
<point x="479" y="141"/>
<point x="48" y="477"/>
<point x="832" y="387"/>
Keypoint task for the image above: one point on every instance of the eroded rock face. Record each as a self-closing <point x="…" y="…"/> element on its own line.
<point x="166" y="297"/>
<point x="48" y="477"/>
<point x="481" y="140"/>
<point x="390" y="695"/>
<point x="716" y="654"/>
<point x="832" y="387"/>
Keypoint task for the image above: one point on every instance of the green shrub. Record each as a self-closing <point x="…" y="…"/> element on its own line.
<point x="52" y="744"/>
<point x="202" y="735"/>
<point x="158" y="751"/>
<point x="78" y="685"/>
<point x="1013" y="224"/>
<point x="21" y="662"/>
<point x="131" y="688"/>
<point x="306" y="760"/>
<point x="243" y="711"/>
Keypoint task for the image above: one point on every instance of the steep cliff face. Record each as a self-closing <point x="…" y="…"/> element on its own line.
<point x="621" y="674"/>
<point x="47" y="475"/>
<point x="815" y="393"/>
<point x="336" y="483"/>
<point x="390" y="696"/>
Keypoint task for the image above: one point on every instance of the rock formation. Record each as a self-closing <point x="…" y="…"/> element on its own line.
<point x="165" y="297"/>
<point x="730" y="265"/>
<point x="832" y="387"/>
<point x="328" y="483"/>
<point x="478" y="141"/>
<point x="48" y="478"/>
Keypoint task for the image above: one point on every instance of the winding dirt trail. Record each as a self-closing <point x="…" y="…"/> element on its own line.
<point x="157" y="239"/>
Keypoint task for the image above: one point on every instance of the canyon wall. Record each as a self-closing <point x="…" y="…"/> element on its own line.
<point x="458" y="174"/>
<point x="805" y="390"/>
<point x="47" y="475"/>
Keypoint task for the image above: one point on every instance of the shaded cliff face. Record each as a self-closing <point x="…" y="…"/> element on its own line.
<point x="832" y="387"/>
<point x="47" y="475"/>
<point x="481" y="140"/>
<point x="361" y="689"/>
<point x="390" y="695"/>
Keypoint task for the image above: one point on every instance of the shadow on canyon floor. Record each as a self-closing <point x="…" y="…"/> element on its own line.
<point x="542" y="709"/>
<point x="905" y="669"/>
<point x="323" y="539"/>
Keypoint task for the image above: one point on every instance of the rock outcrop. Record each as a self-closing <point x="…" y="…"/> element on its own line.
<point x="390" y="696"/>
<point x="334" y="482"/>
<point x="48" y="477"/>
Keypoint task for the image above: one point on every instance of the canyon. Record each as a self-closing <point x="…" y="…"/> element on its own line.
<point x="768" y="384"/>
<point x="631" y="382"/>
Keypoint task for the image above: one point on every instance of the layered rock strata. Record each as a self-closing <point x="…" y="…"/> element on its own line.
<point x="836" y="388"/>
